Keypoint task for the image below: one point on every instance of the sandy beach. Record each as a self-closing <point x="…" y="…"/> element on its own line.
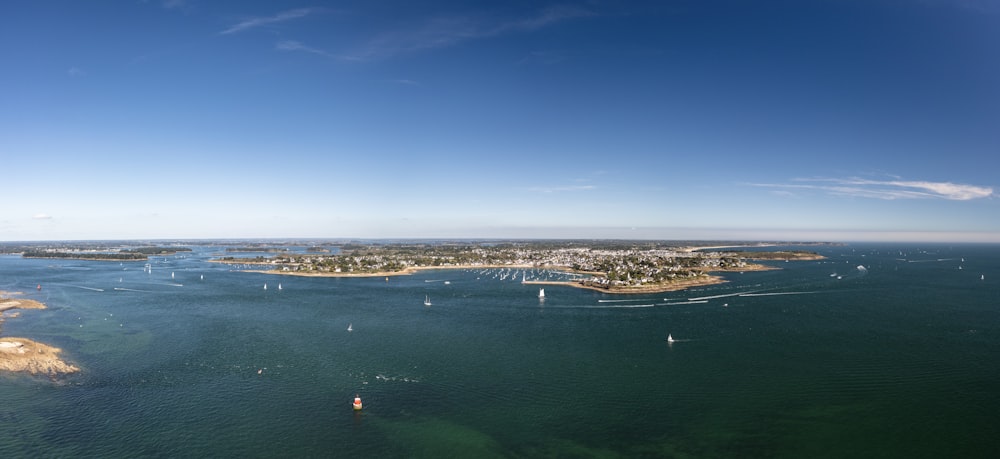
<point x="25" y="355"/>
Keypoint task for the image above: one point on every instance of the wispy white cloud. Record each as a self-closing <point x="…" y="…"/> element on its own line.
<point x="405" y="82"/>
<point x="886" y="189"/>
<point x="445" y="31"/>
<point x="292" y="45"/>
<point x="546" y="17"/>
<point x="252" y="23"/>
<point x="75" y="72"/>
<point x="41" y="217"/>
<point x="560" y="189"/>
<point x="174" y="4"/>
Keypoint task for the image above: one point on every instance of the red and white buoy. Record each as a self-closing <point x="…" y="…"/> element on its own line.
<point x="39" y="287"/>
<point x="357" y="402"/>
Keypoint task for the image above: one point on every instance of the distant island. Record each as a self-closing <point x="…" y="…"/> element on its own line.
<point x="25" y="355"/>
<point x="607" y="266"/>
<point x="91" y="252"/>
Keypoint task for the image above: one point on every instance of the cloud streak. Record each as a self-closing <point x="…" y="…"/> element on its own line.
<point x="253" y="23"/>
<point x="292" y="45"/>
<point x="887" y="189"/>
<point x="445" y="31"/>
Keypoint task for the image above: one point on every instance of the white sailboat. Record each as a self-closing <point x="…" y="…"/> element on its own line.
<point x="279" y="286"/>
<point x="427" y="300"/>
<point x="265" y="286"/>
<point x="541" y="293"/>
<point x="670" y="338"/>
<point x="350" y="327"/>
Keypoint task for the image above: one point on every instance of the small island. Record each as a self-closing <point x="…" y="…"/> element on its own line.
<point x="90" y="251"/>
<point x="25" y="355"/>
<point x="619" y="267"/>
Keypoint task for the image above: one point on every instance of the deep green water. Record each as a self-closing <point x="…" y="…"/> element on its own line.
<point x="899" y="360"/>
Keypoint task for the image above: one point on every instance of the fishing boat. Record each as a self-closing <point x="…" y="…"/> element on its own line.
<point x="427" y="300"/>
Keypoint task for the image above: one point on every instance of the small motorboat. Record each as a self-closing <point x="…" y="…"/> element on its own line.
<point x="357" y="402"/>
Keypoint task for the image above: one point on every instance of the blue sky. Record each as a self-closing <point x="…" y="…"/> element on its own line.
<point x="701" y="119"/>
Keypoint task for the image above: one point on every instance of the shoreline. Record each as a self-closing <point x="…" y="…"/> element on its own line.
<point x="24" y="355"/>
<point x="713" y="247"/>
<point x="708" y="279"/>
<point x="641" y="289"/>
<point x="408" y="271"/>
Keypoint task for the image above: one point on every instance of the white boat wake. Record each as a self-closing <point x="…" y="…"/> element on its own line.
<point x="776" y="293"/>
<point x="720" y="296"/>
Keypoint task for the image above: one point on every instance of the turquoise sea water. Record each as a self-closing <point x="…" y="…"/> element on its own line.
<point x="900" y="359"/>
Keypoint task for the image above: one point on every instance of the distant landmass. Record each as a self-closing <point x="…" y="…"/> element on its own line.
<point x="87" y="251"/>
<point x="614" y="266"/>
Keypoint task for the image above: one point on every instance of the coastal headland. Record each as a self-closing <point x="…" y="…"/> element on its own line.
<point x="25" y="355"/>
<point x="614" y="267"/>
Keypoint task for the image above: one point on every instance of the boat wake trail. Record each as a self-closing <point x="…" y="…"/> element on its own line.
<point x="395" y="378"/>
<point x="87" y="288"/>
<point x="721" y="296"/>
<point x="122" y="289"/>
<point x="776" y="293"/>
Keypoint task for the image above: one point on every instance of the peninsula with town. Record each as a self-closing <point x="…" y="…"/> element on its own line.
<point x="619" y="267"/>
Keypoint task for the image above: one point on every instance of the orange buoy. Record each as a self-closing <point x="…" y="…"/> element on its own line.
<point x="357" y="403"/>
